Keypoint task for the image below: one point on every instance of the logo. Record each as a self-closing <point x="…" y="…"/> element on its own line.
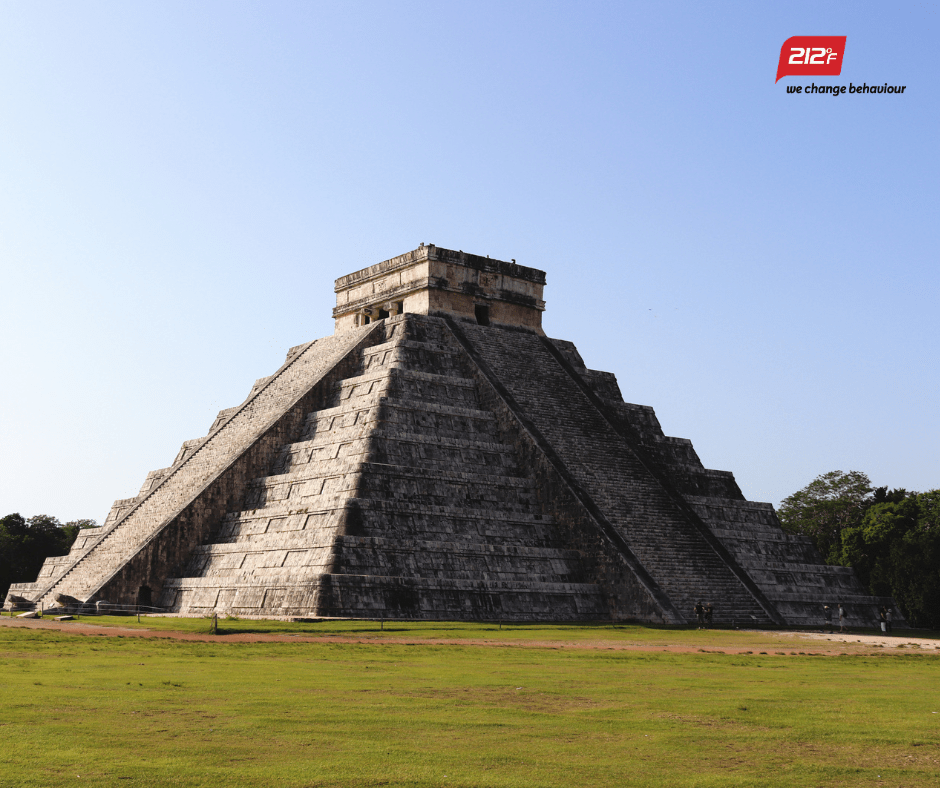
<point x="811" y="56"/>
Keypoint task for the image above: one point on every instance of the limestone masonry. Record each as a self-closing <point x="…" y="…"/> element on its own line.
<point x="440" y="457"/>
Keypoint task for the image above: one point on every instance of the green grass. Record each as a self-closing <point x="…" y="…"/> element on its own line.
<point x="129" y="711"/>
<point x="642" y="635"/>
<point x="424" y="630"/>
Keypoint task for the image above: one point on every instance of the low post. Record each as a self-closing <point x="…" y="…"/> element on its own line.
<point x="215" y="623"/>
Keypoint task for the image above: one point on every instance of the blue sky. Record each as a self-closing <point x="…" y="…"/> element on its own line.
<point x="180" y="184"/>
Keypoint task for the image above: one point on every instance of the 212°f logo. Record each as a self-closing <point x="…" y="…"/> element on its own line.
<point x="811" y="56"/>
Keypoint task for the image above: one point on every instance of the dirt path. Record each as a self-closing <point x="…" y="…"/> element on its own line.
<point x="895" y="640"/>
<point x="776" y="642"/>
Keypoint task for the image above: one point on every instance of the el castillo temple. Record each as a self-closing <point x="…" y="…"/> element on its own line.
<point x="439" y="457"/>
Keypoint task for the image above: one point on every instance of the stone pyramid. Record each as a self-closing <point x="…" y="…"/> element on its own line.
<point x="439" y="457"/>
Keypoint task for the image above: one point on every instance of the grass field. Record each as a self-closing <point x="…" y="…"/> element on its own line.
<point x="155" y="711"/>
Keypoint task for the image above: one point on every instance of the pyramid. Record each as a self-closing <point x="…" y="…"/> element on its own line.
<point x="439" y="457"/>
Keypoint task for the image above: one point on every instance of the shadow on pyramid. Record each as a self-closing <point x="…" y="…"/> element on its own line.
<point x="439" y="457"/>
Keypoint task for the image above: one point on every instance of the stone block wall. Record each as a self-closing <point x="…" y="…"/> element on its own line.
<point x="434" y="281"/>
<point x="398" y="499"/>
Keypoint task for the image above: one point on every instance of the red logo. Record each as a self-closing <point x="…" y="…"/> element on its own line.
<point x="811" y="56"/>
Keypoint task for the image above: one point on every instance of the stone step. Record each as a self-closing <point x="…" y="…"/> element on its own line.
<point x="759" y="564"/>
<point x="416" y="453"/>
<point x="822" y="597"/>
<point x="404" y="448"/>
<point x="367" y="380"/>
<point x="731" y="504"/>
<point x="442" y="487"/>
<point x="431" y="417"/>
<point x="761" y="542"/>
<point x="355" y="419"/>
<point x="393" y="515"/>
<point x="276" y="566"/>
<point x="456" y="599"/>
<point x="296" y="540"/>
<point x="417" y="356"/>
<point x="326" y="475"/>
<point x="402" y="597"/>
<point x="353" y="392"/>
<point x="325" y="445"/>
<point x="441" y="347"/>
<point x="396" y="418"/>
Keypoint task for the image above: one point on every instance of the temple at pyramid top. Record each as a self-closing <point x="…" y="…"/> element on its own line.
<point x="434" y="281"/>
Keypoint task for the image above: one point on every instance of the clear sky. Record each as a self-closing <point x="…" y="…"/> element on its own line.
<point x="181" y="182"/>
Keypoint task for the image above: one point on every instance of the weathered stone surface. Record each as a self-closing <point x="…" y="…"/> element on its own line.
<point x="434" y="459"/>
<point x="155" y="533"/>
<point x="399" y="498"/>
<point x="434" y="281"/>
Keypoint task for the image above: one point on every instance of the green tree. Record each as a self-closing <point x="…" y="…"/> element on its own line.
<point x="891" y="538"/>
<point x="895" y="551"/>
<point x="25" y="544"/>
<point x="827" y="506"/>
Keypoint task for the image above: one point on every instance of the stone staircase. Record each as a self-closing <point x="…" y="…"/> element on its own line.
<point x="787" y="568"/>
<point x="399" y="499"/>
<point x="670" y="546"/>
<point x="204" y="468"/>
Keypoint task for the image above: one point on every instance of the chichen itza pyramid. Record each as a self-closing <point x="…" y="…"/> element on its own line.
<point x="439" y="457"/>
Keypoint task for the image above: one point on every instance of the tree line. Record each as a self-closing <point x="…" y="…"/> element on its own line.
<point x="891" y="538"/>
<point x="26" y="543"/>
